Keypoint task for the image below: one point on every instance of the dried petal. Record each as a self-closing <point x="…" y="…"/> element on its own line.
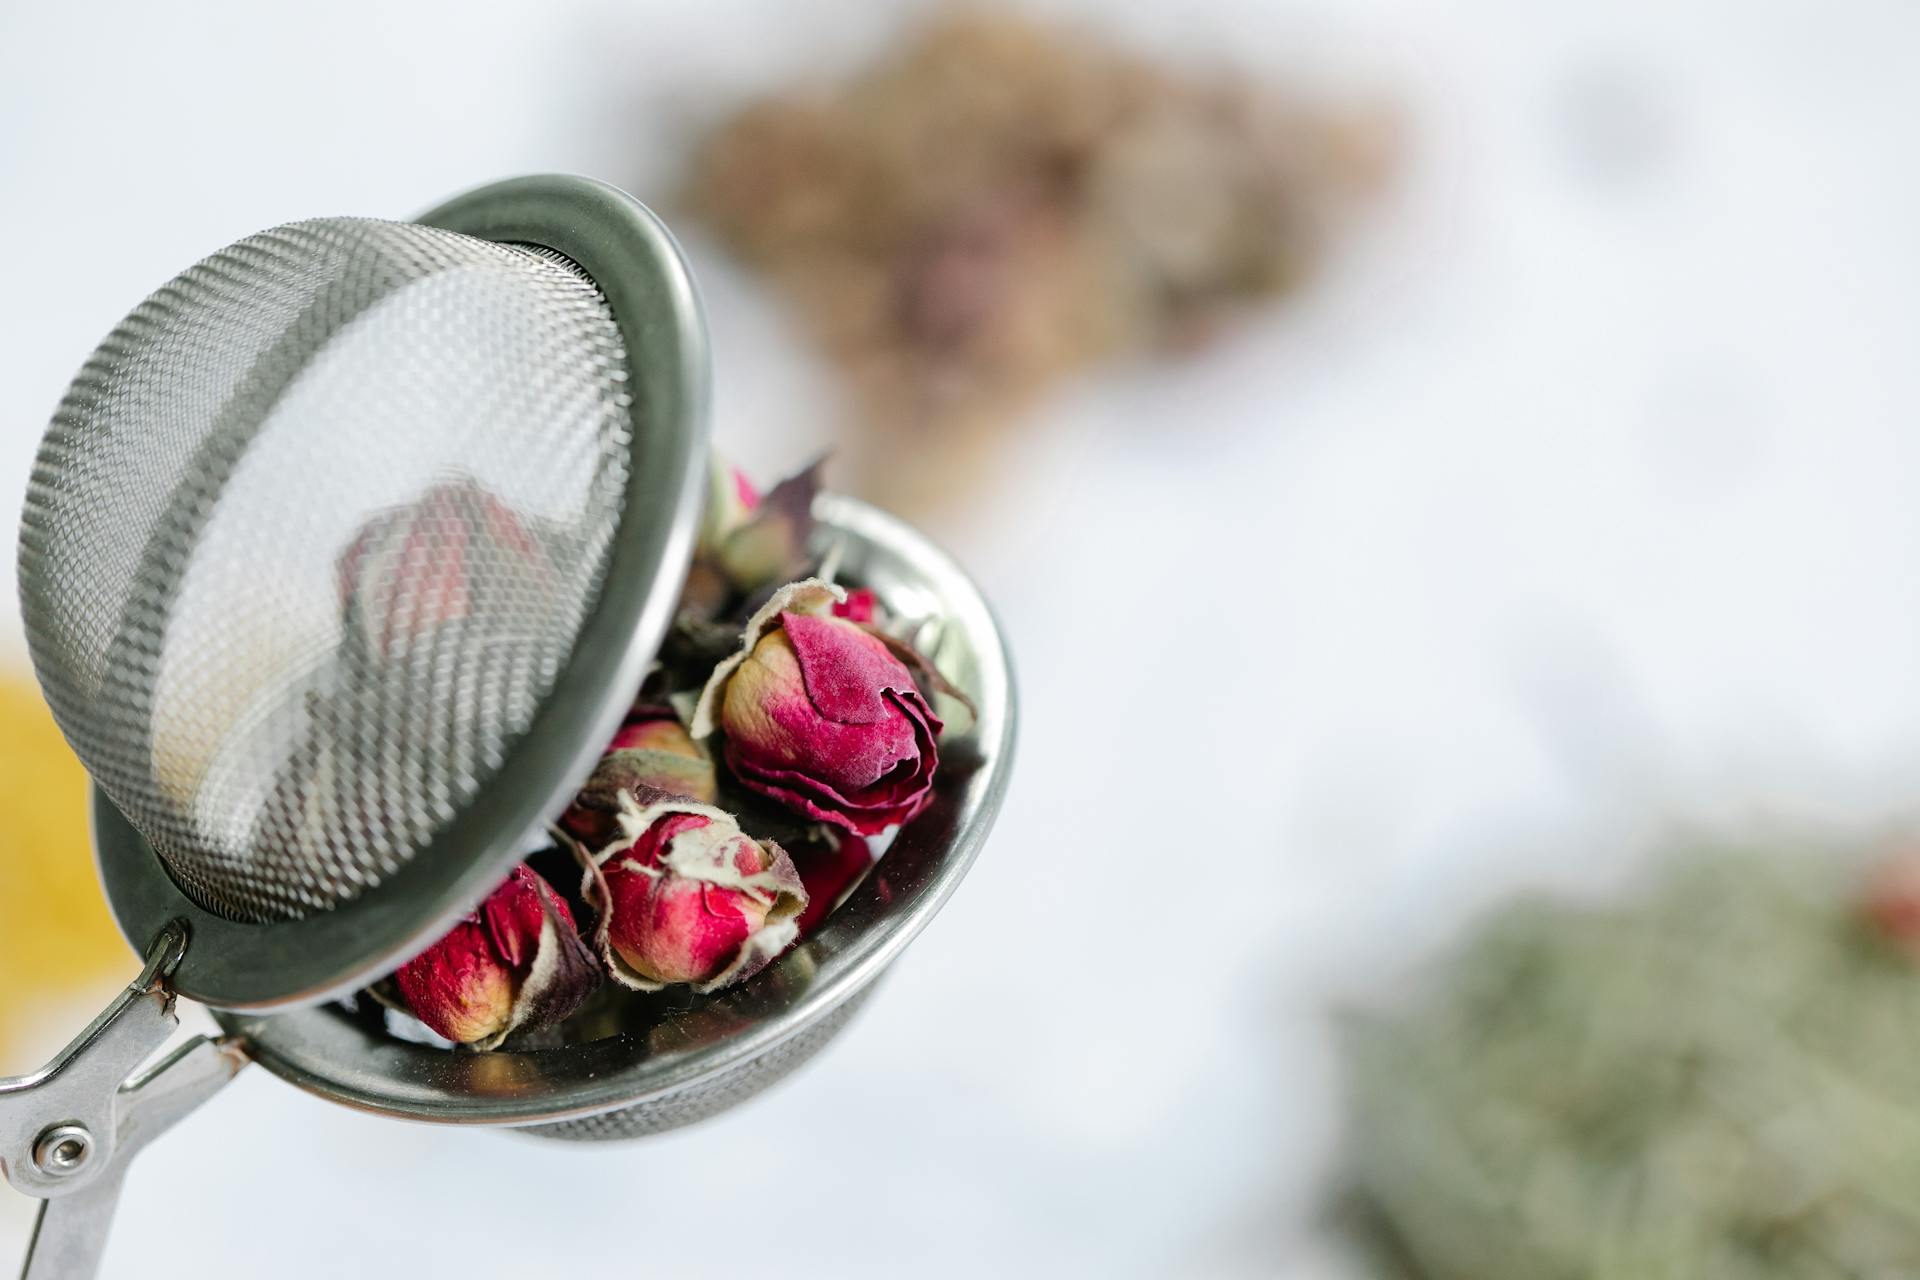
<point x="859" y="606"/>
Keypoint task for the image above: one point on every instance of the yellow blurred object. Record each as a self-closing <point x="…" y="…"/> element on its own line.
<point x="55" y="934"/>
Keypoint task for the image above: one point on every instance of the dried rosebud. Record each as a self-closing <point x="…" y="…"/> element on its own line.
<point x="747" y="542"/>
<point x="653" y="751"/>
<point x="517" y="961"/>
<point x="731" y="499"/>
<point x="423" y="565"/>
<point x="772" y="543"/>
<point x="822" y="717"/>
<point x="685" y="896"/>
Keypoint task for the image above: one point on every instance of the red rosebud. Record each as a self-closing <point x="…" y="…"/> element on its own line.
<point x="652" y="751"/>
<point x="686" y="897"/>
<point x="418" y="566"/>
<point x="822" y="717"/>
<point x="517" y="961"/>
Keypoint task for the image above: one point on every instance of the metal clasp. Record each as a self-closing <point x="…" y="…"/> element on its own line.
<point x="68" y="1130"/>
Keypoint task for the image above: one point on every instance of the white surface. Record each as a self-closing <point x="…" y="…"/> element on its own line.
<point x="1577" y="500"/>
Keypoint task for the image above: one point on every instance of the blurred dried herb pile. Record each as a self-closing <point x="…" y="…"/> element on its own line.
<point x="998" y="203"/>
<point x="1718" y="1079"/>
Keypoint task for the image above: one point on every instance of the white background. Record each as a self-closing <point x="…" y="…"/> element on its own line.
<point x="1572" y="505"/>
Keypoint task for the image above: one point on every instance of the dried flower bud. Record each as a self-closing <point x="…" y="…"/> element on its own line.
<point x="652" y="752"/>
<point x="515" y="962"/>
<point x="418" y="567"/>
<point x="747" y="541"/>
<point x="685" y="896"/>
<point x="771" y="543"/>
<point x="822" y="717"/>
<point x="731" y="499"/>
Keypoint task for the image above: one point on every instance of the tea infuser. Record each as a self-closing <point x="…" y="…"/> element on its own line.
<point x="278" y="821"/>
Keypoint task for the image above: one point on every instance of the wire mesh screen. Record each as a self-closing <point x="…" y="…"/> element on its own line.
<point x="310" y="539"/>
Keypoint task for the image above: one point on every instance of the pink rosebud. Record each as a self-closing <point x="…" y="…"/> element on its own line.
<point x="769" y="542"/>
<point x="652" y="751"/>
<point x="743" y="491"/>
<point x="731" y="499"/>
<point x="820" y="716"/>
<point x="517" y="961"/>
<point x="418" y="567"/>
<point x="859" y="606"/>
<point x="748" y="541"/>
<point x="685" y="896"/>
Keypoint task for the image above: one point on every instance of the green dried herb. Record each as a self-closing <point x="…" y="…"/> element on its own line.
<point x="1719" y="1078"/>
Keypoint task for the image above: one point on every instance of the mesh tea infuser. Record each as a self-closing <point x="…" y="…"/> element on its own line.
<point x="279" y="818"/>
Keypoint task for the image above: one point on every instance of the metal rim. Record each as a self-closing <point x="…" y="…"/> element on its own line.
<point x="344" y="1061"/>
<point x="633" y="258"/>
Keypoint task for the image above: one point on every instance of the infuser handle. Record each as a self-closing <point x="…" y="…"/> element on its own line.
<point x="68" y="1130"/>
<point x="71" y="1233"/>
